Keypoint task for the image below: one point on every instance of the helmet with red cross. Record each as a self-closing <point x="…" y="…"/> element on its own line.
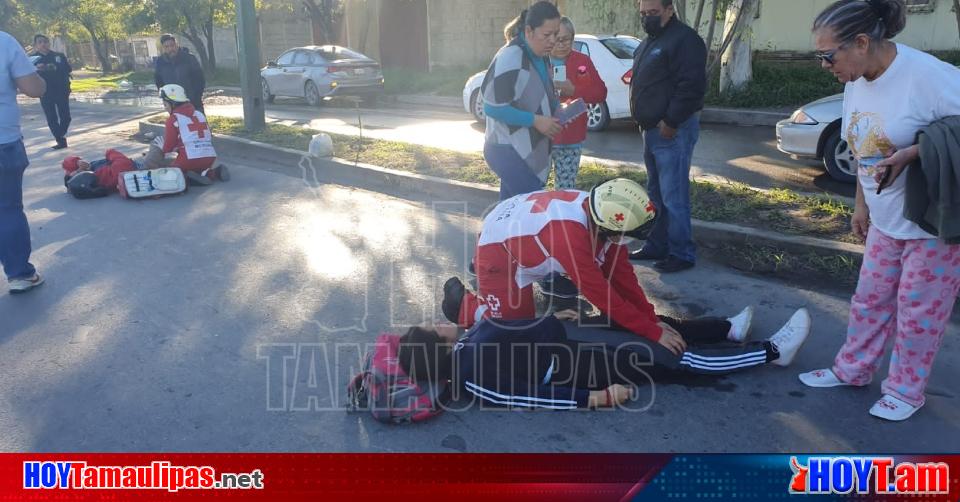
<point x="622" y="206"/>
<point x="173" y="93"/>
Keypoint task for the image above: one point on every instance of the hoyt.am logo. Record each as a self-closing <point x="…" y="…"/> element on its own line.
<point x="876" y="475"/>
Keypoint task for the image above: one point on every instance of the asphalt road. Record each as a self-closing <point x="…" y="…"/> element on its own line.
<point x="209" y="322"/>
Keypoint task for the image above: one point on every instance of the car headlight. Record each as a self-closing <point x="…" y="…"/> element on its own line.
<point x="800" y="117"/>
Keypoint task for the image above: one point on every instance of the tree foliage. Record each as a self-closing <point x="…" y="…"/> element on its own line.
<point x="94" y="20"/>
<point x="191" y="19"/>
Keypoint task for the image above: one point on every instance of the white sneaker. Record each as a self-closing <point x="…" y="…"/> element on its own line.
<point x="740" y="325"/>
<point x="791" y="336"/>
<point x="893" y="409"/>
<point x="822" y="378"/>
<point x="18" y="286"/>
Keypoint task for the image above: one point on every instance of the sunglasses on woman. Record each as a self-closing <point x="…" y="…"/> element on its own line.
<point x="828" y="56"/>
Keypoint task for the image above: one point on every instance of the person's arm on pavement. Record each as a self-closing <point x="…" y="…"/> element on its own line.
<point x="572" y="247"/>
<point x="619" y="271"/>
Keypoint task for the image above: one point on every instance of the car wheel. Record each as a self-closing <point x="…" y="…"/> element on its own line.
<point x="838" y="159"/>
<point x="477" y="106"/>
<point x="267" y="97"/>
<point x="598" y="117"/>
<point x="312" y="94"/>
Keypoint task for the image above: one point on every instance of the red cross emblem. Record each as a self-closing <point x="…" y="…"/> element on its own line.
<point x="619" y="217"/>
<point x="197" y="126"/>
<point x="542" y="200"/>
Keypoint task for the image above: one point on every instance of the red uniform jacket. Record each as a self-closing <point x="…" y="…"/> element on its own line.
<point x="546" y="232"/>
<point x="172" y="142"/>
<point x="590" y="87"/>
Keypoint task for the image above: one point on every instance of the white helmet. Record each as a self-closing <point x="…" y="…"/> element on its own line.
<point x="622" y="205"/>
<point x="173" y="93"/>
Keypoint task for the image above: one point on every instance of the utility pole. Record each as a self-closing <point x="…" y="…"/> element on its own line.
<point x="248" y="41"/>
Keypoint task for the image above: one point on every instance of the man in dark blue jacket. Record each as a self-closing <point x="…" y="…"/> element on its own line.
<point x="55" y="70"/>
<point x="667" y="88"/>
<point x="177" y="66"/>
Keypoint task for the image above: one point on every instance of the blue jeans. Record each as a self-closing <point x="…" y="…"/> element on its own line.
<point x="14" y="230"/>
<point x="515" y="175"/>
<point x="668" y="184"/>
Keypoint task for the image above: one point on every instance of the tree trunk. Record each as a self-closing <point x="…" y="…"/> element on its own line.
<point x="99" y="49"/>
<point x="736" y="68"/>
<point x="713" y="26"/>
<point x="318" y="22"/>
<point x="700" y="6"/>
<point x="211" y="50"/>
<point x="956" y="11"/>
<point x="680" y="7"/>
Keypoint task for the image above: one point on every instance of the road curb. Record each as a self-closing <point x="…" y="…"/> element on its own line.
<point x="741" y="117"/>
<point x="445" y="102"/>
<point x="475" y="196"/>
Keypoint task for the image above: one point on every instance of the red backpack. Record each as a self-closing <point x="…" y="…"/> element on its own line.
<point x="385" y="389"/>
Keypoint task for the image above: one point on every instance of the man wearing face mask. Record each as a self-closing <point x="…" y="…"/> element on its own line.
<point x="667" y="88"/>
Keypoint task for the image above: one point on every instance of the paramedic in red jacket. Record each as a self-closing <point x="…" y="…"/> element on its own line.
<point x="582" y="81"/>
<point x="107" y="170"/>
<point x="579" y="234"/>
<point x="187" y="133"/>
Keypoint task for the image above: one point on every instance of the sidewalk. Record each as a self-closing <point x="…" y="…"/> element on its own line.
<point x="731" y="116"/>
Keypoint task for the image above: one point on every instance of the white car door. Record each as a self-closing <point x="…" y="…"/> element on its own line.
<point x="612" y="64"/>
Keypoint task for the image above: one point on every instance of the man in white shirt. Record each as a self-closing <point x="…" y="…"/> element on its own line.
<point x="16" y="73"/>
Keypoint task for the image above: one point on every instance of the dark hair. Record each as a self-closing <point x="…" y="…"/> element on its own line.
<point x="512" y="29"/>
<point x="424" y="355"/>
<point x="878" y="19"/>
<point x="38" y="36"/>
<point x="165" y="37"/>
<point x="539" y="13"/>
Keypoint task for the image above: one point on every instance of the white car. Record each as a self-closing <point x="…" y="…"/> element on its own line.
<point x="813" y="131"/>
<point x="613" y="57"/>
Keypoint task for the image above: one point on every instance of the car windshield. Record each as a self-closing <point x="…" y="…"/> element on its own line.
<point x="621" y="47"/>
<point x="335" y="53"/>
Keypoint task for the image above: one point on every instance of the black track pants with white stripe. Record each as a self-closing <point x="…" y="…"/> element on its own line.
<point x="708" y="350"/>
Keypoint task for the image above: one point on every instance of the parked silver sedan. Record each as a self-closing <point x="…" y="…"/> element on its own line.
<point x="813" y="131"/>
<point x="317" y="72"/>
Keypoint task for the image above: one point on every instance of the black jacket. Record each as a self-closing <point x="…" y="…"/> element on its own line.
<point x="933" y="182"/>
<point x="55" y="72"/>
<point x="669" y="77"/>
<point x="183" y="69"/>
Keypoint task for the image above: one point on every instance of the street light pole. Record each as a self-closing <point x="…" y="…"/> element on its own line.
<point x="248" y="41"/>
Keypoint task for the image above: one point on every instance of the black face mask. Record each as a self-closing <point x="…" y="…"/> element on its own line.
<point x="651" y="25"/>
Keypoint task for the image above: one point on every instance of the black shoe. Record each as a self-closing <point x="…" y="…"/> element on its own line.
<point x="61" y="144"/>
<point x="453" y="293"/>
<point x="194" y="178"/>
<point x="643" y="254"/>
<point x="559" y="286"/>
<point x="223" y="174"/>
<point x="672" y="264"/>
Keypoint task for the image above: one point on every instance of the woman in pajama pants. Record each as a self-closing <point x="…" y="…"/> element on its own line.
<point x="909" y="279"/>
